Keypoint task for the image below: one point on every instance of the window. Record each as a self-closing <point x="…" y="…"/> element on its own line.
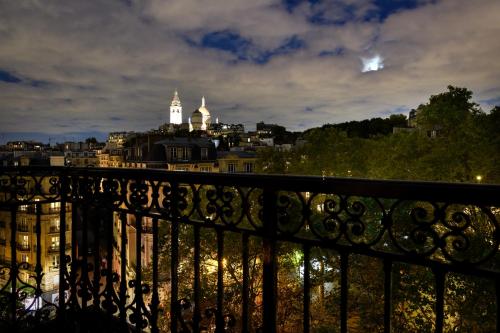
<point x="55" y="205"/>
<point x="231" y="167"/>
<point x="185" y="154"/>
<point x="173" y="153"/>
<point x="205" y="169"/>
<point x="180" y="153"/>
<point x="55" y="260"/>
<point x="248" y="167"/>
<point x="25" y="241"/>
<point x="54" y="225"/>
<point x="204" y="153"/>
<point x="25" y="258"/>
<point x="54" y="243"/>
<point x="23" y="225"/>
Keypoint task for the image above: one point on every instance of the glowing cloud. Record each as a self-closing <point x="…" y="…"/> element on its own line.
<point x="374" y="63"/>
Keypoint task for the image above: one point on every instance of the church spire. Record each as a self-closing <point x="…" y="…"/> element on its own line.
<point x="176" y="100"/>
<point x="176" y="109"/>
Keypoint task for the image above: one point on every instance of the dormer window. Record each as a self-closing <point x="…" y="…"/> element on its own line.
<point x="173" y="153"/>
<point x="204" y="153"/>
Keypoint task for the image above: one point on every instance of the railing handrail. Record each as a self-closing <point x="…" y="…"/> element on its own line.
<point x="486" y="194"/>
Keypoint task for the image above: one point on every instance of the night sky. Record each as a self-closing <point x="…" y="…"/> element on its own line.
<point x="72" y="69"/>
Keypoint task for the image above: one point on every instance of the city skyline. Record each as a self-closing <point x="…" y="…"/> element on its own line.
<point x="89" y="68"/>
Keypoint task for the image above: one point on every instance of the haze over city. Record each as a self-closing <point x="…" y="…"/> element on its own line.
<point x="69" y="70"/>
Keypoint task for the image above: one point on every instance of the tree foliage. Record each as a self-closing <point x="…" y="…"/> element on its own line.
<point x="454" y="141"/>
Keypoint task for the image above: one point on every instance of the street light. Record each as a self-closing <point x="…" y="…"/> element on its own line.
<point x="479" y="178"/>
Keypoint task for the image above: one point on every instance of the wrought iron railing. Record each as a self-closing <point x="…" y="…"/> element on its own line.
<point x="23" y="247"/>
<point x="22" y="227"/>
<point x="54" y="229"/>
<point x="233" y="252"/>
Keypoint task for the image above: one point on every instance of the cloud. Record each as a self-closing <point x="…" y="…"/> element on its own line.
<point x="107" y="66"/>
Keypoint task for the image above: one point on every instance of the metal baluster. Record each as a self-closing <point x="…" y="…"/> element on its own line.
<point x="138" y="277"/>
<point x="440" y="278"/>
<point x="344" y="266"/>
<point x="84" y="285"/>
<point x="497" y="293"/>
<point x="74" y="245"/>
<point x="97" y="258"/>
<point x="387" y="295"/>
<point x="220" y="282"/>
<point x="174" y="262"/>
<point x="108" y="220"/>
<point x="197" y="250"/>
<point x="38" y="266"/>
<point x="155" y="301"/>
<point x="269" y="265"/>
<point x="123" y="269"/>
<point x="307" y="287"/>
<point x="246" y="275"/>
<point x="14" y="271"/>
<point x="62" y="247"/>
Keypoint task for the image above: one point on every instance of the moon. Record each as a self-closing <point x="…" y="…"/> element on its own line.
<point x="374" y="63"/>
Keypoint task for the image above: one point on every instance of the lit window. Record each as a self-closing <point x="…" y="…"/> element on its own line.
<point x="55" y="260"/>
<point x="54" y="244"/>
<point x="54" y="225"/>
<point x="231" y="168"/>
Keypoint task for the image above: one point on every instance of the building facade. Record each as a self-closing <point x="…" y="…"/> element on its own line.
<point x="29" y="237"/>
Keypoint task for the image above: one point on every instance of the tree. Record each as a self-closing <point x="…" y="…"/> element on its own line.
<point x="447" y="112"/>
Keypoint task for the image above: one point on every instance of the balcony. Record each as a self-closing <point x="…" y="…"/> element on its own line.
<point x="23" y="247"/>
<point x="248" y="253"/>
<point x="56" y="249"/>
<point x="23" y="227"/>
<point x="54" y="229"/>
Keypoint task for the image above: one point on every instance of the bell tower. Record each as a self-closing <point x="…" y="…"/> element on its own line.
<point x="176" y="110"/>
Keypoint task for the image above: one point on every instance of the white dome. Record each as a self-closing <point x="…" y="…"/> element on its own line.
<point x="204" y="111"/>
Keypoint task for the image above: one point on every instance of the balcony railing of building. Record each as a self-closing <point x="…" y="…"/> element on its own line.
<point x="44" y="210"/>
<point x="54" y="229"/>
<point x="361" y="253"/>
<point x="23" y="247"/>
<point x="56" y="249"/>
<point x="22" y="227"/>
